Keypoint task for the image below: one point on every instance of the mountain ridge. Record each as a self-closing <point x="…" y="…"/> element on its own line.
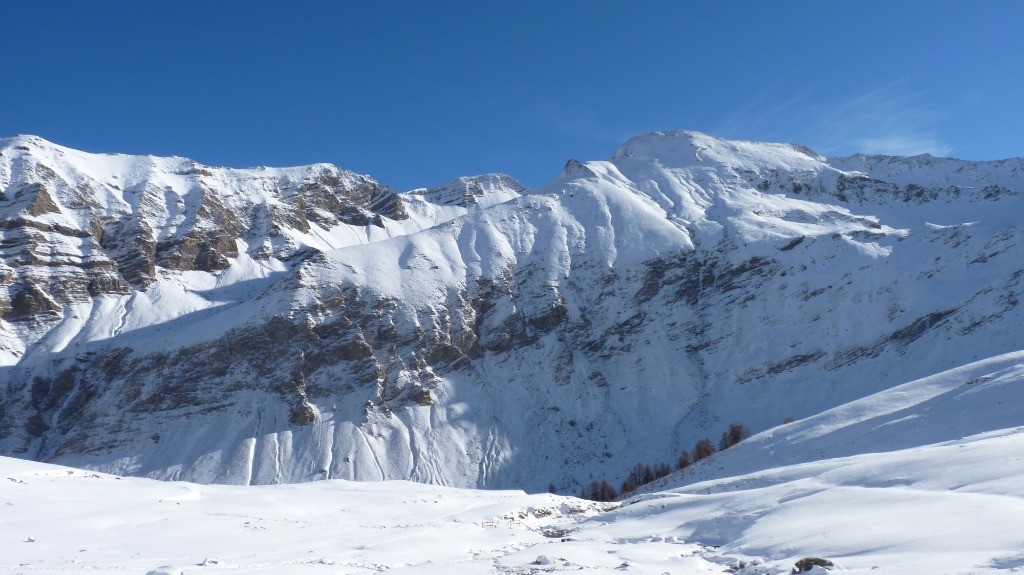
<point x="495" y="336"/>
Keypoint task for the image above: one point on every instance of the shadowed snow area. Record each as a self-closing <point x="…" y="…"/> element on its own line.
<point x="920" y="479"/>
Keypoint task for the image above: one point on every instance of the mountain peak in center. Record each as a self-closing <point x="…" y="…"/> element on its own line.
<point x="680" y="148"/>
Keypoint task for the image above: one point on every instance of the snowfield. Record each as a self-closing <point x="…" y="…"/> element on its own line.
<point x="68" y="521"/>
<point x="921" y="479"/>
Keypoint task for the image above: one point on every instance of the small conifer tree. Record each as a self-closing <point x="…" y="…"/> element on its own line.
<point x="703" y="449"/>
<point x="629" y="485"/>
<point x="684" y="460"/>
<point x="648" y="475"/>
<point x="662" y="470"/>
<point x="607" y="492"/>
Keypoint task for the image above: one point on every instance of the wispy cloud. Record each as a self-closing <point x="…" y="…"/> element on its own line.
<point x="891" y="119"/>
<point x="774" y="109"/>
<point x="904" y="145"/>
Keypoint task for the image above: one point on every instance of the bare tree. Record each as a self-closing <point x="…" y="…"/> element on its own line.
<point x="703" y="449"/>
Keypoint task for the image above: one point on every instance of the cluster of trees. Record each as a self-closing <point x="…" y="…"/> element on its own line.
<point x="598" y="491"/>
<point x="736" y="433"/>
<point x="642" y="474"/>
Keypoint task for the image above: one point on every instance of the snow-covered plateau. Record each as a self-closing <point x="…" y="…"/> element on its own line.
<point x="166" y="319"/>
<point x="920" y="479"/>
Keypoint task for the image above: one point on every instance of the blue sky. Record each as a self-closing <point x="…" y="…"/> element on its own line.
<point x="416" y="93"/>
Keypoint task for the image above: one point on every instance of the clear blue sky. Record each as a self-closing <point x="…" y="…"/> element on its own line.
<point x="415" y="93"/>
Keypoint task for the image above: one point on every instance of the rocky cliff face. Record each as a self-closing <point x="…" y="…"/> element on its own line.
<point x="255" y="326"/>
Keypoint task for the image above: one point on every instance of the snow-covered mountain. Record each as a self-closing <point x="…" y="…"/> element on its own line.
<point x="174" y="320"/>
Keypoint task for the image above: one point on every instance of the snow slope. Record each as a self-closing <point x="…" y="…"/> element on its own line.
<point x="920" y="479"/>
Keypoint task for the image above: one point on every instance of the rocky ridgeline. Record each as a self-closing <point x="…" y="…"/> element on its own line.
<point x="69" y="235"/>
<point x="473" y="191"/>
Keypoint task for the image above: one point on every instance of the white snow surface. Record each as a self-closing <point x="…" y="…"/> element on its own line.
<point x="62" y="520"/>
<point x="921" y="478"/>
<point x="917" y="480"/>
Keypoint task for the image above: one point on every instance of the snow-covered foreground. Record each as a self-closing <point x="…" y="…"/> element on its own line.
<point x="921" y="479"/>
<point x="84" y="522"/>
<point x="951" y="508"/>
